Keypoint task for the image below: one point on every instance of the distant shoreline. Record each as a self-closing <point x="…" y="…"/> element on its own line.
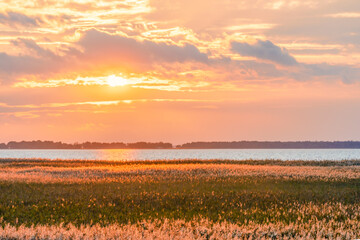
<point x="192" y="145"/>
<point x="251" y="162"/>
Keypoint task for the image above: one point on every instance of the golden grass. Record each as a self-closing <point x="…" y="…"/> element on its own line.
<point x="182" y="230"/>
<point x="46" y="171"/>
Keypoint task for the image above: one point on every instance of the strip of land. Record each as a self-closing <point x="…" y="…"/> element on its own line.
<point x="192" y="145"/>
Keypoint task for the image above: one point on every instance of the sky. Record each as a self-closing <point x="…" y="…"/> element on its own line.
<point x="179" y="70"/>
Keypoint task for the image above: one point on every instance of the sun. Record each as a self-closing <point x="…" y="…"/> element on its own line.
<point x="115" y="81"/>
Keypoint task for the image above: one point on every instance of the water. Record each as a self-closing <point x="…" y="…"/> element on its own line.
<point x="156" y="154"/>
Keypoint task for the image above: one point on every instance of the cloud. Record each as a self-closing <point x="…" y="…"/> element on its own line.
<point x="348" y="74"/>
<point x="98" y="53"/>
<point x="32" y="46"/>
<point x="264" y="50"/>
<point x="98" y="50"/>
<point x="14" y="18"/>
<point x="302" y="72"/>
<point x="98" y="44"/>
<point x="38" y="62"/>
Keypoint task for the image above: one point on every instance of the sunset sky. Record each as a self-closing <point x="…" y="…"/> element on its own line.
<point x="179" y="70"/>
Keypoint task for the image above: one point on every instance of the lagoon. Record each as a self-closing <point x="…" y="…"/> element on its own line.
<point x="181" y="154"/>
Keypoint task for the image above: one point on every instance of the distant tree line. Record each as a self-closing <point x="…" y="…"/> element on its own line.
<point x="193" y="145"/>
<point x="86" y="145"/>
<point x="269" y="145"/>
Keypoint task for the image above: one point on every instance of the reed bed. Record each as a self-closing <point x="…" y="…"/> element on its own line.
<point x="84" y="171"/>
<point x="69" y="199"/>
<point x="179" y="229"/>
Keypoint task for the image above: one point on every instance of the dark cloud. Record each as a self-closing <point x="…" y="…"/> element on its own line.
<point x="105" y="46"/>
<point x="14" y="18"/>
<point x="264" y="50"/>
<point x="35" y="61"/>
<point x="33" y="46"/>
<point x="303" y="72"/>
<point x="12" y="67"/>
<point x="347" y="74"/>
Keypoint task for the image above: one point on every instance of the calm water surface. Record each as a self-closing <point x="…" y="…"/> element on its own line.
<point x="152" y="154"/>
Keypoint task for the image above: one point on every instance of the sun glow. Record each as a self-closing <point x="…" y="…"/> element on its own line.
<point x="115" y="81"/>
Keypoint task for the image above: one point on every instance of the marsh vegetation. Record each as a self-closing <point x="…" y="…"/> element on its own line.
<point x="179" y="199"/>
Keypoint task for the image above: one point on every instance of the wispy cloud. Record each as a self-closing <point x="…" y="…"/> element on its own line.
<point x="344" y="15"/>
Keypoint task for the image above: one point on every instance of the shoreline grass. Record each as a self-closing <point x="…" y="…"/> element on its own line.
<point x="80" y="162"/>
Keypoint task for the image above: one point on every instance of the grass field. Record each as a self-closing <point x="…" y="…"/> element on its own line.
<point x="191" y="199"/>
